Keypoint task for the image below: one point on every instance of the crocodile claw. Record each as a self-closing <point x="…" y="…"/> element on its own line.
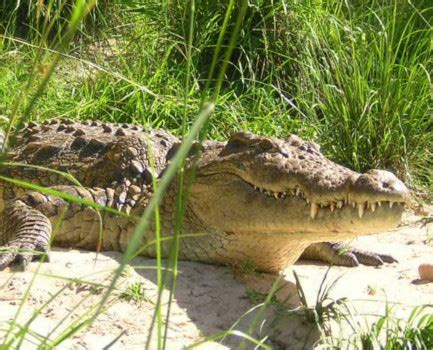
<point x="342" y="255"/>
<point x="23" y="254"/>
<point x="370" y="258"/>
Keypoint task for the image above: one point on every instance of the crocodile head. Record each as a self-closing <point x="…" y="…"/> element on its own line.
<point x="266" y="186"/>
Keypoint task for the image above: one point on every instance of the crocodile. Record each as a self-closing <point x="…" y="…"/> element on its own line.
<point x="255" y="198"/>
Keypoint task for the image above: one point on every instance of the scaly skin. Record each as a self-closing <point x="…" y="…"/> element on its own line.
<point x="256" y="198"/>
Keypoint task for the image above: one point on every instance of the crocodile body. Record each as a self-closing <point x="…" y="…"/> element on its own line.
<point x="257" y="198"/>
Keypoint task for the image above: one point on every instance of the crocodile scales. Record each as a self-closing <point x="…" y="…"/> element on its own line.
<point x="252" y="197"/>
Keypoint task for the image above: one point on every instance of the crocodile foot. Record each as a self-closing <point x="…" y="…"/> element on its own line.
<point x="26" y="235"/>
<point x="22" y="253"/>
<point x="342" y="255"/>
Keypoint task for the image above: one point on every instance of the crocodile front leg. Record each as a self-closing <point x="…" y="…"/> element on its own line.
<point x="24" y="231"/>
<point x="341" y="254"/>
<point x="27" y="222"/>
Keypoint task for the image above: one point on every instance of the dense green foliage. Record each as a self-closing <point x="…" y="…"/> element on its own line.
<point x="354" y="77"/>
<point x="389" y="333"/>
<point x="30" y="19"/>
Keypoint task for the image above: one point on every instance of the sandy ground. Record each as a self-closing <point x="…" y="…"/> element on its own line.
<point x="208" y="299"/>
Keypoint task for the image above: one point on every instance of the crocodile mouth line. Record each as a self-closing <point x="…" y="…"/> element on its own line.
<point x="329" y="205"/>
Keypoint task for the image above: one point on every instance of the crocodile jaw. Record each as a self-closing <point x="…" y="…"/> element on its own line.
<point x="242" y="222"/>
<point x="260" y="184"/>
<point x="230" y="204"/>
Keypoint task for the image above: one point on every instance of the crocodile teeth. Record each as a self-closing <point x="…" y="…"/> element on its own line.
<point x="353" y="204"/>
<point x="313" y="210"/>
<point x="255" y="187"/>
<point x="360" y="210"/>
<point x="298" y="191"/>
<point x="339" y="204"/>
<point x="379" y="204"/>
<point x="373" y="207"/>
<point x="391" y="204"/>
<point x="269" y="193"/>
<point x="332" y="206"/>
<point x="276" y="195"/>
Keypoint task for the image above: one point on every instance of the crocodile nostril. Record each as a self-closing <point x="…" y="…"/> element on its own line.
<point x="385" y="184"/>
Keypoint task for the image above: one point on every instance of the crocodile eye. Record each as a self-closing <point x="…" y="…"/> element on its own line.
<point x="246" y="141"/>
<point x="266" y="145"/>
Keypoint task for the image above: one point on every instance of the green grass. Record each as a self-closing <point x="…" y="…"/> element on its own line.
<point x="387" y="332"/>
<point x="342" y="327"/>
<point x="49" y="19"/>
<point x="135" y="292"/>
<point x="349" y="77"/>
<point x="353" y="76"/>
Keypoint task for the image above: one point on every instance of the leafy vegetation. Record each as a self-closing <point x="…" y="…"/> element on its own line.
<point x="416" y="333"/>
<point x="341" y="328"/>
<point x="353" y="76"/>
<point x="135" y="292"/>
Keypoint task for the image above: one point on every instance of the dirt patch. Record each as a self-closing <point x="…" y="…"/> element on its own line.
<point x="208" y="299"/>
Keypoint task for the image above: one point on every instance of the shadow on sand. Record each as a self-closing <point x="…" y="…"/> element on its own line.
<point x="215" y="300"/>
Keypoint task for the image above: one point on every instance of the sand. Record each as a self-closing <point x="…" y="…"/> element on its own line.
<point x="208" y="299"/>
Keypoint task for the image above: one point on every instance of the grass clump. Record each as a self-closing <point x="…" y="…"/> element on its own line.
<point x="367" y="86"/>
<point x="324" y="308"/>
<point x="416" y="333"/>
<point x="387" y="332"/>
<point x="135" y="292"/>
<point x="341" y="328"/>
<point x="50" y="19"/>
<point x="245" y="269"/>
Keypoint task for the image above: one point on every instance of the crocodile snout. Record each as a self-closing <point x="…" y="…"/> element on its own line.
<point x="380" y="185"/>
